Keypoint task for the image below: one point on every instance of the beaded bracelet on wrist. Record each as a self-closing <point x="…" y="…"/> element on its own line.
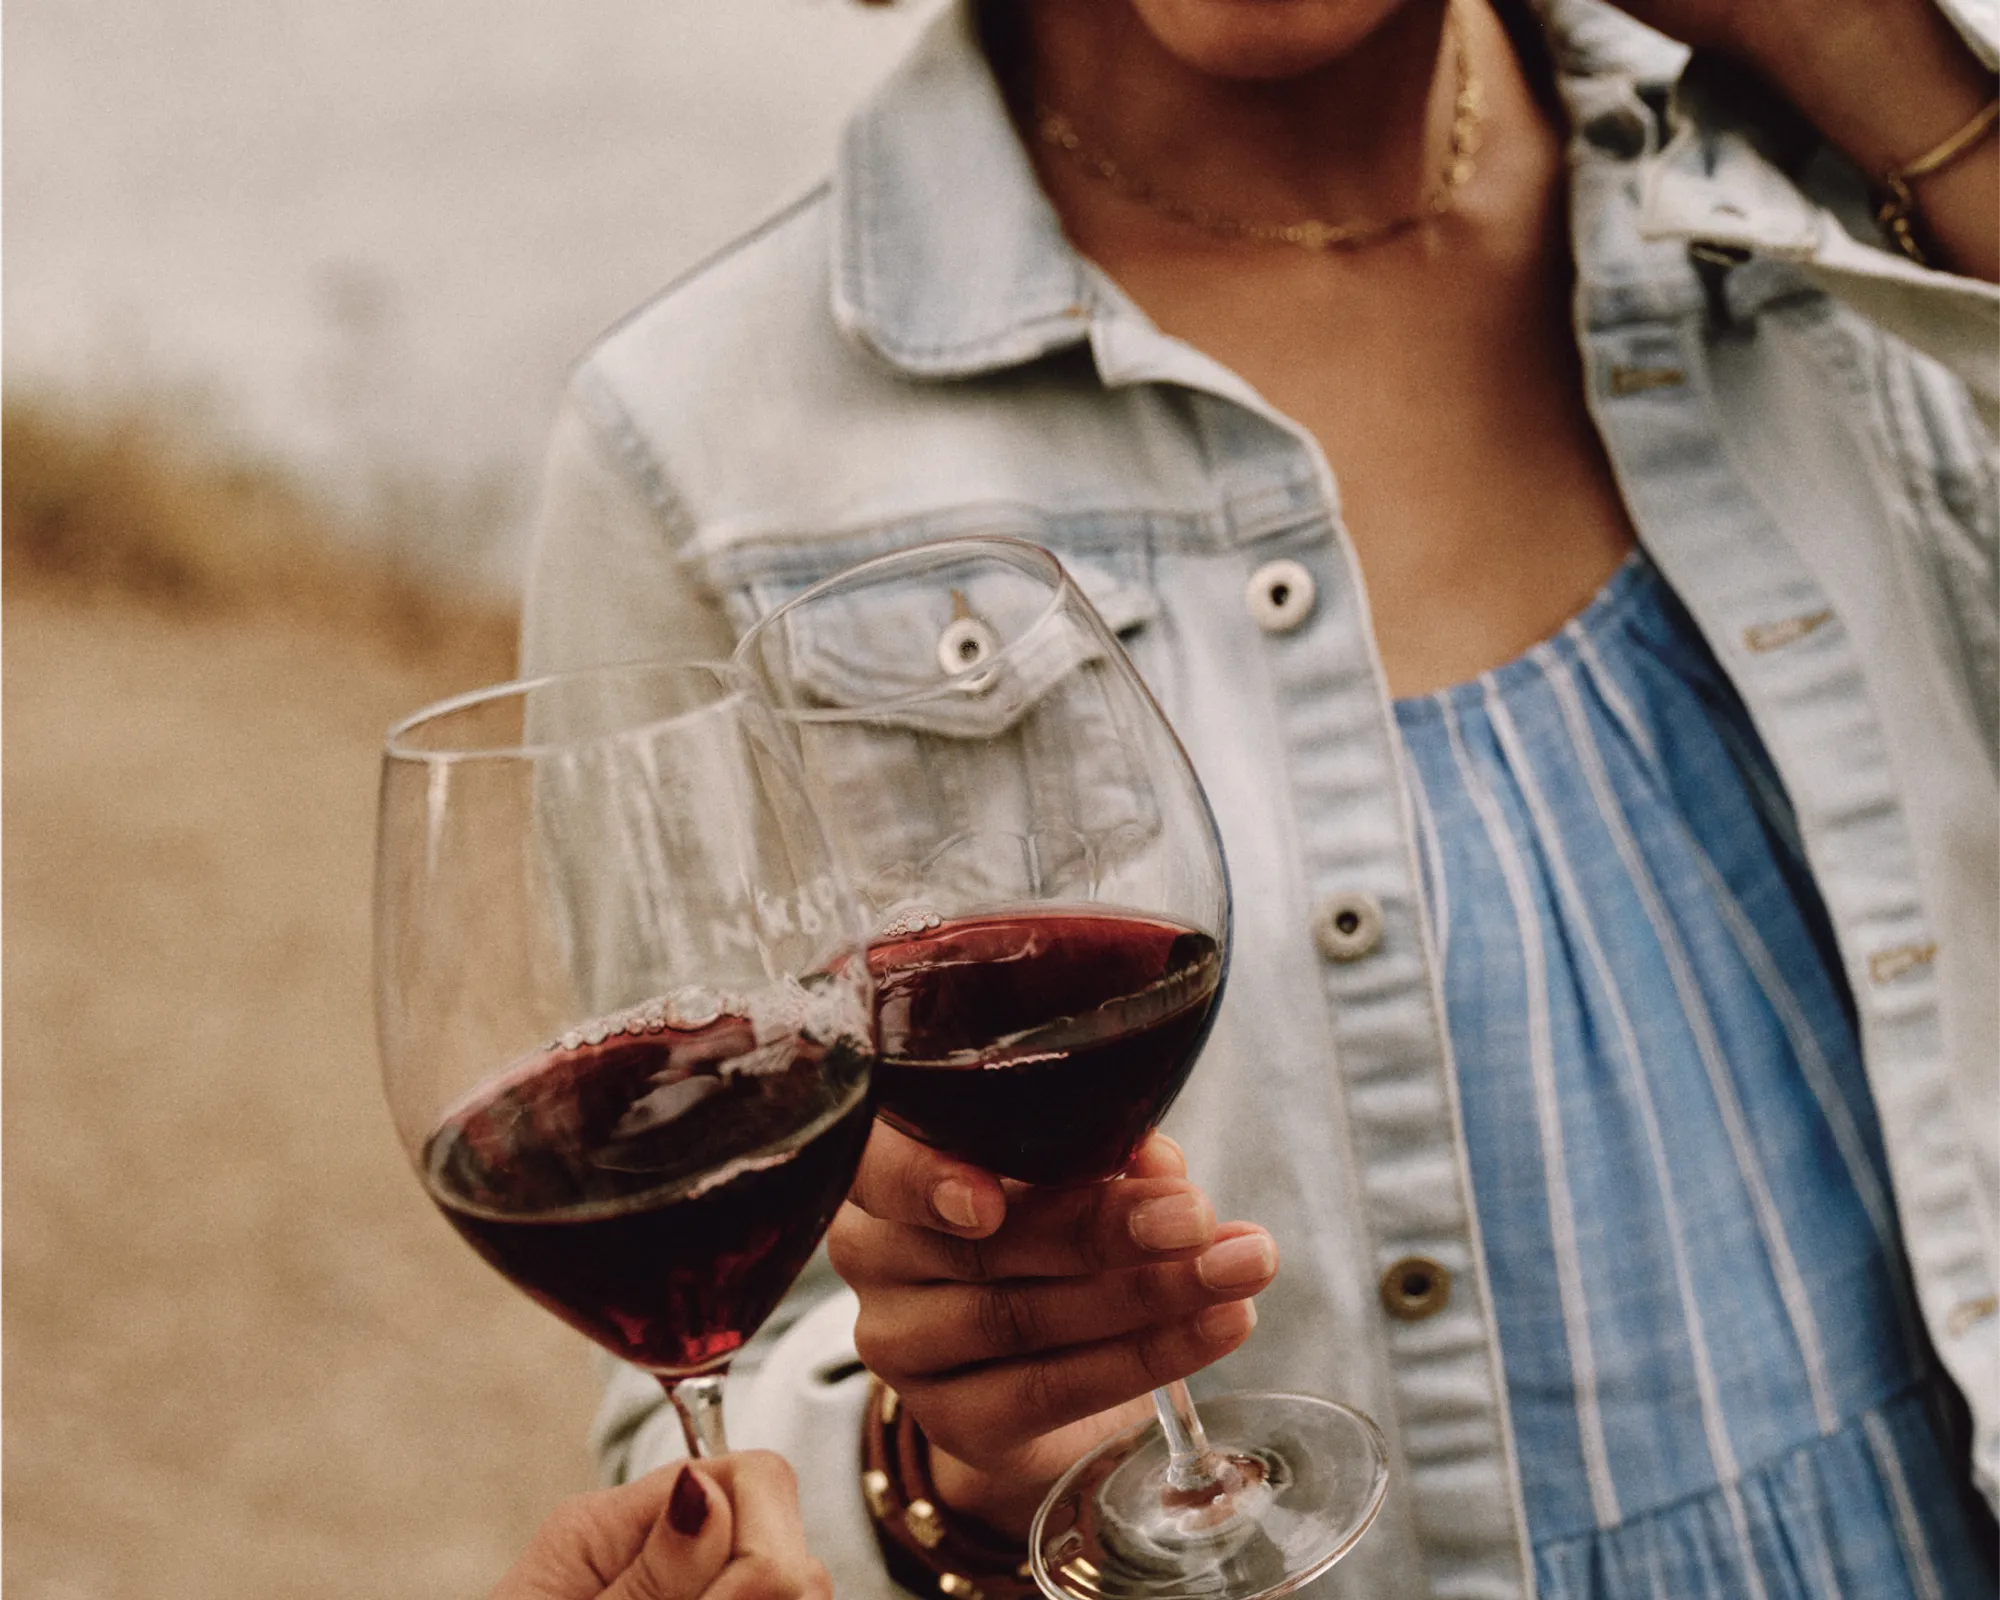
<point x="929" y="1550"/>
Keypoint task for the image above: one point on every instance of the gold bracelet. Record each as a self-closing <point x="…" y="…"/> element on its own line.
<point x="1897" y="210"/>
<point x="927" y="1550"/>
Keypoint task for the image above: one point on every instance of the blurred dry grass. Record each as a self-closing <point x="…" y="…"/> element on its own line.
<point x="131" y="503"/>
<point x="243" y="1356"/>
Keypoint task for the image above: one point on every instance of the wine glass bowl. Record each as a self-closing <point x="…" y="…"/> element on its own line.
<point x="1028" y="841"/>
<point x="625" y="1025"/>
<point x="990" y="1021"/>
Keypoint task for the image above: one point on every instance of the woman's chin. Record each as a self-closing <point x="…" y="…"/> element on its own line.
<point x="1262" y="40"/>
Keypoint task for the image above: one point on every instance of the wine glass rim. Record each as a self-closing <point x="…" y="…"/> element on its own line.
<point x="1010" y="547"/>
<point x="397" y="745"/>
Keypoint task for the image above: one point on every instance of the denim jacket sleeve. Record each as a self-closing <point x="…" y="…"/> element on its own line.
<point x="605" y="577"/>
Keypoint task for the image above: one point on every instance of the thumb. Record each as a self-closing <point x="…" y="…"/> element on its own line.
<point x="686" y="1548"/>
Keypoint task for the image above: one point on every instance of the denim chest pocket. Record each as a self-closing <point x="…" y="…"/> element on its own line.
<point x="971" y="745"/>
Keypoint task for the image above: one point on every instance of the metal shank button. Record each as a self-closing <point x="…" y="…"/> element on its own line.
<point x="1414" y="1288"/>
<point x="1348" y="927"/>
<point x="965" y="644"/>
<point x="1280" y="595"/>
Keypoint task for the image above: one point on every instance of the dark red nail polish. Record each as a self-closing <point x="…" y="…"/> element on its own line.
<point x="687" y="1506"/>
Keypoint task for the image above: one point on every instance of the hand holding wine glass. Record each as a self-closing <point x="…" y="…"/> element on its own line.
<point x="1028" y="1337"/>
<point x="626" y="1026"/>
<point x="1050" y="934"/>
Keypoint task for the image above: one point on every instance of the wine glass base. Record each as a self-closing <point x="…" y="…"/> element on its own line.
<point x="1308" y="1478"/>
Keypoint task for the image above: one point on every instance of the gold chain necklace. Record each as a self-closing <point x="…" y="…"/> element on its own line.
<point x="1454" y="172"/>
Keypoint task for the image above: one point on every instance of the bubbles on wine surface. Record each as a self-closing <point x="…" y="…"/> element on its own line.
<point x="632" y="1108"/>
<point x="911" y="922"/>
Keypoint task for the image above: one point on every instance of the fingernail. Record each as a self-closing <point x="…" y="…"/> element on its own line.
<point x="1237" y="1263"/>
<point x="687" y="1506"/>
<point x="953" y="1201"/>
<point x="1220" y="1324"/>
<point x="1172" y="1222"/>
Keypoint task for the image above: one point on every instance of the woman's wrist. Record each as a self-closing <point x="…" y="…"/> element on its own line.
<point x="1000" y="1502"/>
<point x="931" y="1544"/>
<point x="1886" y="81"/>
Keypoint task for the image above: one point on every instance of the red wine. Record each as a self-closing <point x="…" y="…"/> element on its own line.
<point x="657" y="1187"/>
<point x="1043" y="1044"/>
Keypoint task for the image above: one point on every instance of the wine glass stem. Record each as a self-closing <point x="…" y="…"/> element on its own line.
<point x="1190" y="1466"/>
<point x="698" y="1402"/>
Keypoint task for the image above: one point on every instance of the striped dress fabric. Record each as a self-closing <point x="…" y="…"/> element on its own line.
<point x="1718" y="1386"/>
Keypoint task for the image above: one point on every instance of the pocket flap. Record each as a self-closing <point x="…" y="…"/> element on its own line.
<point x="996" y="642"/>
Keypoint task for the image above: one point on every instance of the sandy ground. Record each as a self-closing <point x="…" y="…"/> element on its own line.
<point x="243" y="1357"/>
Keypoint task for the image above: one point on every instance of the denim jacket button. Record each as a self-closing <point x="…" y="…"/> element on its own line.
<point x="1280" y="595"/>
<point x="964" y="645"/>
<point x="1348" y="927"/>
<point x="1414" y="1288"/>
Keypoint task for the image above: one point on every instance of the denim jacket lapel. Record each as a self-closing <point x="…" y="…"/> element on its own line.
<point x="947" y="259"/>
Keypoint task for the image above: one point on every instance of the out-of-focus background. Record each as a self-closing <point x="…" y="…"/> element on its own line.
<point x="289" y="292"/>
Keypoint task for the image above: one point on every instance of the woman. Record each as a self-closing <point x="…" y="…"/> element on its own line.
<point x="1559" y="520"/>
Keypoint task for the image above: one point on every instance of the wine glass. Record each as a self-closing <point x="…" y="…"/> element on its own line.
<point x="626" y="1029"/>
<point x="1050" y="932"/>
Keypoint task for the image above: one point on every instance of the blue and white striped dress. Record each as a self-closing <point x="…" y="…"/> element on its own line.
<point x="1719" y="1388"/>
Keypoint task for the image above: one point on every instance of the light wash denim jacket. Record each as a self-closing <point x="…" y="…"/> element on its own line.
<point x="913" y="351"/>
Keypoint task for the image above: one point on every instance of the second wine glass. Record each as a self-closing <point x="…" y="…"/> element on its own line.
<point x="1051" y="926"/>
<point x="625" y="1024"/>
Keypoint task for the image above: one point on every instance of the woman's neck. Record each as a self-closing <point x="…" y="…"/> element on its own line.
<point x="1352" y="137"/>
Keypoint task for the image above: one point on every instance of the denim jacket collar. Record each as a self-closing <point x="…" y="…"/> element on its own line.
<point x="949" y="261"/>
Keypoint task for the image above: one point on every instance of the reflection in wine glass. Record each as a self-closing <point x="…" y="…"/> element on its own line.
<point x="1050" y="914"/>
<point x="626" y="1032"/>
